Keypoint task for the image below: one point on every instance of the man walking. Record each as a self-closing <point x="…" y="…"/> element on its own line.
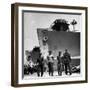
<point x="67" y="61"/>
<point x="50" y="63"/>
<point x="40" y="66"/>
<point x="59" y="64"/>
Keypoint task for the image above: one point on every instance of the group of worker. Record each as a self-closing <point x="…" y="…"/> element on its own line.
<point x="63" y="64"/>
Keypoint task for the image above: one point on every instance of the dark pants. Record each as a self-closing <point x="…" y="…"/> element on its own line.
<point x="50" y="67"/>
<point x="40" y="70"/>
<point x="67" y="67"/>
<point x="59" y="69"/>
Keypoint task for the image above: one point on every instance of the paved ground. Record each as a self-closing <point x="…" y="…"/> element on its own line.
<point x="46" y="75"/>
